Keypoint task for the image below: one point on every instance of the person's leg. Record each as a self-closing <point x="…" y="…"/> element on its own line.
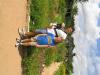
<point x="30" y="34"/>
<point x="28" y="40"/>
<point x="35" y="32"/>
<point x="25" y="40"/>
<point x="28" y="44"/>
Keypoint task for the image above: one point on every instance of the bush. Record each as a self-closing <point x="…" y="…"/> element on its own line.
<point x="61" y="70"/>
<point x="61" y="52"/>
<point x="49" y="56"/>
<point x="29" y="67"/>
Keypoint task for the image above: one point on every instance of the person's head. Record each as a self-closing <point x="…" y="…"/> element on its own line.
<point x="58" y="39"/>
<point x="69" y="30"/>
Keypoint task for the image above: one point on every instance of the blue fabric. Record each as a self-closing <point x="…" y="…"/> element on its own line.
<point x="43" y="31"/>
<point x="43" y="40"/>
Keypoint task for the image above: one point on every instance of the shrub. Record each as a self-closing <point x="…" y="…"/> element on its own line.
<point x="61" y="70"/>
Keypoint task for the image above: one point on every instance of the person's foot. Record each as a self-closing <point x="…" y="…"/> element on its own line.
<point x="18" y="40"/>
<point x="17" y="44"/>
<point x="25" y="29"/>
<point x="20" y="31"/>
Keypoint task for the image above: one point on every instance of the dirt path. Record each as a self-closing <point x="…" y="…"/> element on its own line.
<point x="51" y="69"/>
<point x="12" y="15"/>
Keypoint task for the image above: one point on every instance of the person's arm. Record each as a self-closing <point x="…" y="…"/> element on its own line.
<point x="52" y="26"/>
<point x="41" y="35"/>
<point x="42" y="46"/>
<point x="45" y="46"/>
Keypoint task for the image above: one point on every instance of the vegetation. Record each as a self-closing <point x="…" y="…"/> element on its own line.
<point x="31" y="62"/>
<point x="56" y="54"/>
<point x="61" y="70"/>
<point x="43" y="12"/>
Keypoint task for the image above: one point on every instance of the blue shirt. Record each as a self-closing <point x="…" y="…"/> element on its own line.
<point x="46" y="39"/>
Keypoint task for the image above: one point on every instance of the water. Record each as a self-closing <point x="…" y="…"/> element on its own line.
<point x="87" y="39"/>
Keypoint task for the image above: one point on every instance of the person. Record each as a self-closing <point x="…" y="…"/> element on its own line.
<point x="56" y="32"/>
<point x="40" y="40"/>
<point x="69" y="29"/>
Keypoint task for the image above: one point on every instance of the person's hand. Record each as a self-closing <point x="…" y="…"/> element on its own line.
<point x="48" y="46"/>
<point x="36" y="45"/>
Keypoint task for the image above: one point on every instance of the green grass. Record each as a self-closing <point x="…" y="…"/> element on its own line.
<point x="56" y="54"/>
<point x="39" y="13"/>
<point x="61" y="52"/>
<point x="49" y="56"/>
<point x="61" y="70"/>
<point x="31" y="63"/>
<point x="29" y="67"/>
<point x="43" y="12"/>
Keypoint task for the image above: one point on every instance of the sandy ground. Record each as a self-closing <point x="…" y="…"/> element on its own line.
<point x="12" y="15"/>
<point x="51" y="69"/>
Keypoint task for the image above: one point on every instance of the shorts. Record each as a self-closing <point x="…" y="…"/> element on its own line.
<point x="43" y="31"/>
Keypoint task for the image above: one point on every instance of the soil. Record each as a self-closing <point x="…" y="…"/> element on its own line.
<point x="51" y="69"/>
<point x="12" y="16"/>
